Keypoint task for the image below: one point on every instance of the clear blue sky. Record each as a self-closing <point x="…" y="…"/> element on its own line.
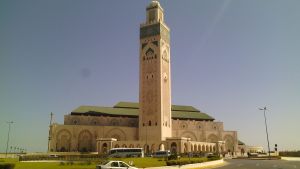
<point x="228" y="58"/>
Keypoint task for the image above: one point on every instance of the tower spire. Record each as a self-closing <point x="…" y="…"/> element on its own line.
<point x="155" y="12"/>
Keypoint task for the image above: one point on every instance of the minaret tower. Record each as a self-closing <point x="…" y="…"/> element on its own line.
<point x="155" y="80"/>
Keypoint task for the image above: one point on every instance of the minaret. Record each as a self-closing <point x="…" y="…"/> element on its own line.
<point x="155" y="79"/>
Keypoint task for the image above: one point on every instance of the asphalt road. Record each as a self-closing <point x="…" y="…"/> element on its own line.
<point x="260" y="164"/>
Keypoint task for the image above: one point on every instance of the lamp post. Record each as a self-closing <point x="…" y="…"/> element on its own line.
<point x="9" y="123"/>
<point x="50" y="132"/>
<point x="265" y="109"/>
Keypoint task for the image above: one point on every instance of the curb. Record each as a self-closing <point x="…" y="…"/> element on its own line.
<point x="189" y="166"/>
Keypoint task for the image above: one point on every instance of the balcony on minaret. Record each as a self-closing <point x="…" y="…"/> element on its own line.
<point x="155" y="13"/>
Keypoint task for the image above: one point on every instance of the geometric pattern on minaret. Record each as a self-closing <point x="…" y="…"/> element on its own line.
<point x="155" y="77"/>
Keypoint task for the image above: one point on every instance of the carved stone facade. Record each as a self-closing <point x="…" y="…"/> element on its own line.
<point x="79" y="133"/>
<point x="155" y="87"/>
<point x="153" y="123"/>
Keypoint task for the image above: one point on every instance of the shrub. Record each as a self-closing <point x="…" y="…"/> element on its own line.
<point x="212" y="158"/>
<point x="70" y="163"/>
<point x="7" y="166"/>
<point x="173" y="157"/>
<point x="190" y="161"/>
<point x="85" y="163"/>
<point x="290" y="153"/>
<point x="169" y="163"/>
<point x="61" y="163"/>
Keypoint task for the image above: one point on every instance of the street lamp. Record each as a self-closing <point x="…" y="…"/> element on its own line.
<point x="9" y="123"/>
<point x="265" y="109"/>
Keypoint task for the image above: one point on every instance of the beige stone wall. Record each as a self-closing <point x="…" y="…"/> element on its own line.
<point x="155" y="89"/>
<point x="206" y="131"/>
<point x="83" y="137"/>
<point x="100" y="121"/>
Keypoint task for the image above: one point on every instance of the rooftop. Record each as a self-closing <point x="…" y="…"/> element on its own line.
<point x="131" y="109"/>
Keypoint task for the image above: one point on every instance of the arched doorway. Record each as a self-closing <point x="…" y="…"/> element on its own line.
<point x="195" y="148"/>
<point x="229" y="143"/>
<point x="85" y="141"/>
<point x="173" y="148"/>
<point x="162" y="147"/>
<point x="185" y="148"/>
<point x="63" y="141"/>
<point x="104" y="148"/>
<point x="199" y="148"/>
<point x="146" y="149"/>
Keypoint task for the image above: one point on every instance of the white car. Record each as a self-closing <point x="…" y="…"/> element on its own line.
<point x="115" y="165"/>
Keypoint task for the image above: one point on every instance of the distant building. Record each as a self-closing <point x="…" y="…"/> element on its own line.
<point x="153" y="123"/>
<point x="244" y="149"/>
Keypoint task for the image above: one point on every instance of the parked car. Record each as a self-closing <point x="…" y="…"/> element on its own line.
<point x="53" y="156"/>
<point x="114" y="165"/>
<point x="252" y="154"/>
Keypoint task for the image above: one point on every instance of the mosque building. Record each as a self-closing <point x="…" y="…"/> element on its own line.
<point x="153" y="123"/>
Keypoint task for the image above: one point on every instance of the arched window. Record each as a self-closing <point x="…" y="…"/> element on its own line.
<point x="149" y="122"/>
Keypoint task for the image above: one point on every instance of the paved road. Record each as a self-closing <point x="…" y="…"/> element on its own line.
<point x="260" y="164"/>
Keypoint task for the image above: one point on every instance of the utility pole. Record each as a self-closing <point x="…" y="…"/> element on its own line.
<point x="50" y="131"/>
<point x="265" y="109"/>
<point x="9" y="123"/>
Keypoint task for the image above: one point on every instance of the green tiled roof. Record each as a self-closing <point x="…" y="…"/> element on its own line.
<point x="184" y="108"/>
<point x="95" y="110"/>
<point x="131" y="109"/>
<point x="190" y="115"/>
<point x="131" y="105"/>
<point x="134" y="105"/>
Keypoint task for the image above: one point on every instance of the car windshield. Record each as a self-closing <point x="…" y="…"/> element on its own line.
<point x="122" y="164"/>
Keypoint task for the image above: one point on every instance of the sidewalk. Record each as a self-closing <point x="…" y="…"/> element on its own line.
<point x="291" y="158"/>
<point x="189" y="166"/>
